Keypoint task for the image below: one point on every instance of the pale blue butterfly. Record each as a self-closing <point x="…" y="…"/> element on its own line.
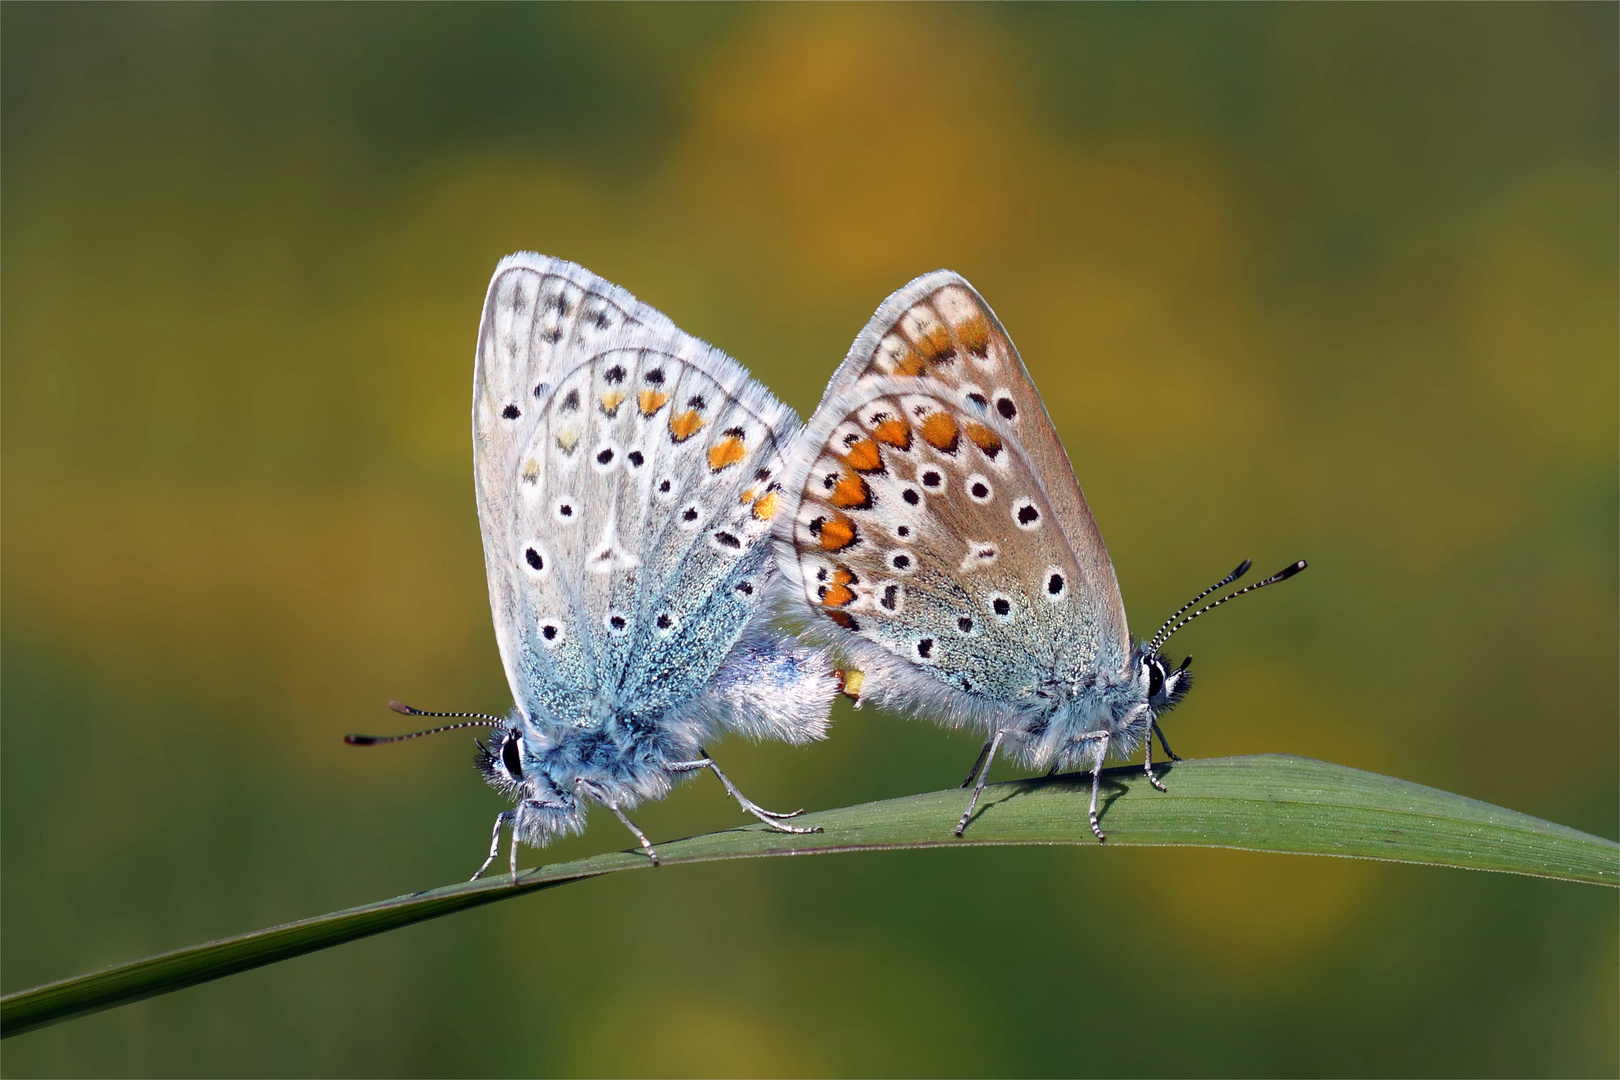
<point x="932" y="523"/>
<point x="626" y="477"/>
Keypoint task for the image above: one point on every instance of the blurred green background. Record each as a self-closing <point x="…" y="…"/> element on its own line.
<point x="1325" y="281"/>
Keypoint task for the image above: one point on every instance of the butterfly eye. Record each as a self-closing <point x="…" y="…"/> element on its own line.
<point x="1155" y="678"/>
<point x="510" y="756"/>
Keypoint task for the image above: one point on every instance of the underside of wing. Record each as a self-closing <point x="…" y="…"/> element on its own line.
<point x="938" y="334"/>
<point x="626" y="476"/>
<point x="541" y="315"/>
<point x="913" y="523"/>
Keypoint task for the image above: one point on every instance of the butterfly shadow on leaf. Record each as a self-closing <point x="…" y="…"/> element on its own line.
<point x="1114" y="786"/>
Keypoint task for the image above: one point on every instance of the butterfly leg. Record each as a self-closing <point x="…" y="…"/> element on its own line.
<point x="1101" y="738"/>
<point x="646" y="845"/>
<point x="506" y="817"/>
<point x="1147" y="763"/>
<point x="1169" y="753"/>
<point x="986" y="758"/>
<point x="984" y="752"/>
<point x="769" y="817"/>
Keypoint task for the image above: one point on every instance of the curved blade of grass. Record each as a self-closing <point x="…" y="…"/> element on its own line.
<point x="1262" y="803"/>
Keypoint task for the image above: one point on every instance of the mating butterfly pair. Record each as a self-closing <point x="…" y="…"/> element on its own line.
<point x="650" y="512"/>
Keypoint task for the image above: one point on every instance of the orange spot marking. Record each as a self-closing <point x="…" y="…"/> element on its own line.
<point x="842" y="618"/>
<point x="939" y="431"/>
<point x="974" y="334"/>
<point x="837" y="593"/>
<point x="837" y="533"/>
<point x="725" y="453"/>
<point x="935" y="344"/>
<point x="984" y="439"/>
<point x="611" y="401"/>
<point x="765" y="506"/>
<point x="896" y="433"/>
<point x="651" y="401"/>
<point x="865" y="457"/>
<point x="910" y="364"/>
<point x="851" y="493"/>
<point x="683" y="426"/>
<point x="838" y="596"/>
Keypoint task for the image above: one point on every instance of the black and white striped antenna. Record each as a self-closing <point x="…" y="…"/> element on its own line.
<point x="1171" y="626"/>
<point x="484" y="720"/>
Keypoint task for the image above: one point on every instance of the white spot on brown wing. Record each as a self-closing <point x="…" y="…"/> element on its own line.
<point x="890" y="352"/>
<point x="980" y="554"/>
<point x="1026" y="515"/>
<point x="1055" y="585"/>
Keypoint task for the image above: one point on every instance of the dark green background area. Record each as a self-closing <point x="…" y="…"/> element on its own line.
<point x="1333" y="281"/>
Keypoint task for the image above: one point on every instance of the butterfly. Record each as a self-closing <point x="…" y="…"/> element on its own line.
<point x="626" y="477"/>
<point x="933" y="527"/>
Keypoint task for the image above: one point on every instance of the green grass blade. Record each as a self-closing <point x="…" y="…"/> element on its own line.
<point x="1262" y="803"/>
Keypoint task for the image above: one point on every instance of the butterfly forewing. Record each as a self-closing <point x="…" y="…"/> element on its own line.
<point x="920" y="526"/>
<point x="540" y="314"/>
<point x="938" y="333"/>
<point x="638" y="486"/>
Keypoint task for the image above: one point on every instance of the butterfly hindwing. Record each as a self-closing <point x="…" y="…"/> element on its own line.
<point x="920" y="526"/>
<point x="540" y="313"/>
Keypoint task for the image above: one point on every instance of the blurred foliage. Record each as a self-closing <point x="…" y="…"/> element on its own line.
<point x="1326" y="281"/>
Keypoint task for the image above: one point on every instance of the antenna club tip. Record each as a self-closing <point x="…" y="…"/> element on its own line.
<point x="360" y="740"/>
<point x="401" y="707"/>
<point x="1290" y="571"/>
<point x="1242" y="568"/>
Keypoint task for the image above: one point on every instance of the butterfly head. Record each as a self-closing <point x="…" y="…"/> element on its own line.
<point x="544" y="809"/>
<point x="501" y="759"/>
<point x="1166" y="685"/>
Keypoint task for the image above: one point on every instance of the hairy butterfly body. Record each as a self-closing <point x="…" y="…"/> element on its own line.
<point x="932" y="523"/>
<point x="626" y="477"/>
